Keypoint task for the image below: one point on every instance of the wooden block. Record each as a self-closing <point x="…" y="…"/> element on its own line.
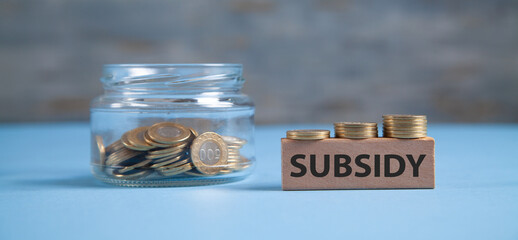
<point x="341" y="163"/>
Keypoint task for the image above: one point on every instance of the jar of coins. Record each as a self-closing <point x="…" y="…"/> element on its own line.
<point x="172" y="125"/>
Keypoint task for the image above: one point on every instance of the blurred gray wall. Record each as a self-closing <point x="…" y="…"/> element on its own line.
<point x="305" y="61"/>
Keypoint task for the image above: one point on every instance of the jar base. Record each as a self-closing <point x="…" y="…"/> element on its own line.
<point x="172" y="182"/>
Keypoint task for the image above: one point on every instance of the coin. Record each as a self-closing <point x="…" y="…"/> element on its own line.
<point x="120" y="156"/>
<point x="230" y="140"/>
<point x="125" y="140"/>
<point x="131" y="175"/>
<point x="178" y="151"/>
<point x="166" y="161"/>
<point x="209" y="153"/>
<point x="148" y="139"/>
<point x="225" y="171"/>
<point x="194" y="132"/>
<point x="133" y="163"/>
<point x="136" y="138"/>
<point x="312" y="134"/>
<point x="173" y="165"/>
<point x="243" y="163"/>
<point x="405" y="117"/>
<point x="102" y="150"/>
<point x="356" y="124"/>
<point x="175" y="171"/>
<point x="168" y="133"/>
<point x="115" y="146"/>
<point x="173" y="148"/>
<point x="195" y="173"/>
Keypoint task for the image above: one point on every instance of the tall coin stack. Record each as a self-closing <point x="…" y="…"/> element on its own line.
<point x="404" y="126"/>
<point x="356" y="130"/>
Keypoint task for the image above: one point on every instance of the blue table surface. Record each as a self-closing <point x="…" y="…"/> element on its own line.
<point x="48" y="192"/>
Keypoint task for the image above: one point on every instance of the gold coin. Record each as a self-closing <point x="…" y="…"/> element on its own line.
<point x="115" y="146"/>
<point x="173" y="165"/>
<point x="130" y="175"/>
<point x="168" y="133"/>
<point x="230" y="140"/>
<point x="233" y="159"/>
<point x="405" y="132"/>
<point x="233" y="150"/>
<point x="133" y="163"/>
<point x="225" y="171"/>
<point x="353" y="130"/>
<point x="366" y="133"/>
<point x="243" y="163"/>
<point x="405" y="122"/>
<point x="148" y="139"/>
<point x="308" y="134"/>
<point x="195" y="173"/>
<point x="209" y="152"/>
<point x="178" y="170"/>
<point x="235" y="147"/>
<point x="233" y="153"/>
<point x="398" y="129"/>
<point x="404" y="116"/>
<point x="194" y="132"/>
<point x="178" y="151"/>
<point x="173" y="148"/>
<point x="166" y="161"/>
<point x="395" y="129"/>
<point x="406" y="136"/>
<point x="136" y="138"/>
<point x="102" y="150"/>
<point x="120" y="156"/>
<point x="396" y="135"/>
<point x="355" y="124"/>
<point x="125" y="140"/>
<point x="405" y="127"/>
<point x="357" y="134"/>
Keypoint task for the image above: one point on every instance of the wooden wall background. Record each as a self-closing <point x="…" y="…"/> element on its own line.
<point x="305" y="61"/>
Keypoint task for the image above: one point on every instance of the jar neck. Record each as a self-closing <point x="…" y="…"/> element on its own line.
<point x="172" y="78"/>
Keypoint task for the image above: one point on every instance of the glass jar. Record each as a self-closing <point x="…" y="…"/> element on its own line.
<point x="172" y="125"/>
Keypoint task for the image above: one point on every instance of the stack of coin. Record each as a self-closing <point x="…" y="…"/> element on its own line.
<point x="309" y="134"/>
<point x="356" y="130"/>
<point x="125" y="163"/>
<point x="404" y="126"/>
<point x="235" y="161"/>
<point x="170" y="149"/>
<point x="162" y="147"/>
<point x="172" y="141"/>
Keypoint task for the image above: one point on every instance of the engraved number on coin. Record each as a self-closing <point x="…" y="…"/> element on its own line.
<point x="210" y="153"/>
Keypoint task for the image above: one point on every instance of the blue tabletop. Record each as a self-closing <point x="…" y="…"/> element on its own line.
<point x="47" y="192"/>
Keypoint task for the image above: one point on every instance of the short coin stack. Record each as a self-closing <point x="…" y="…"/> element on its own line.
<point x="167" y="149"/>
<point x="404" y="126"/>
<point x="310" y="134"/>
<point x="356" y="130"/>
<point x="235" y="160"/>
